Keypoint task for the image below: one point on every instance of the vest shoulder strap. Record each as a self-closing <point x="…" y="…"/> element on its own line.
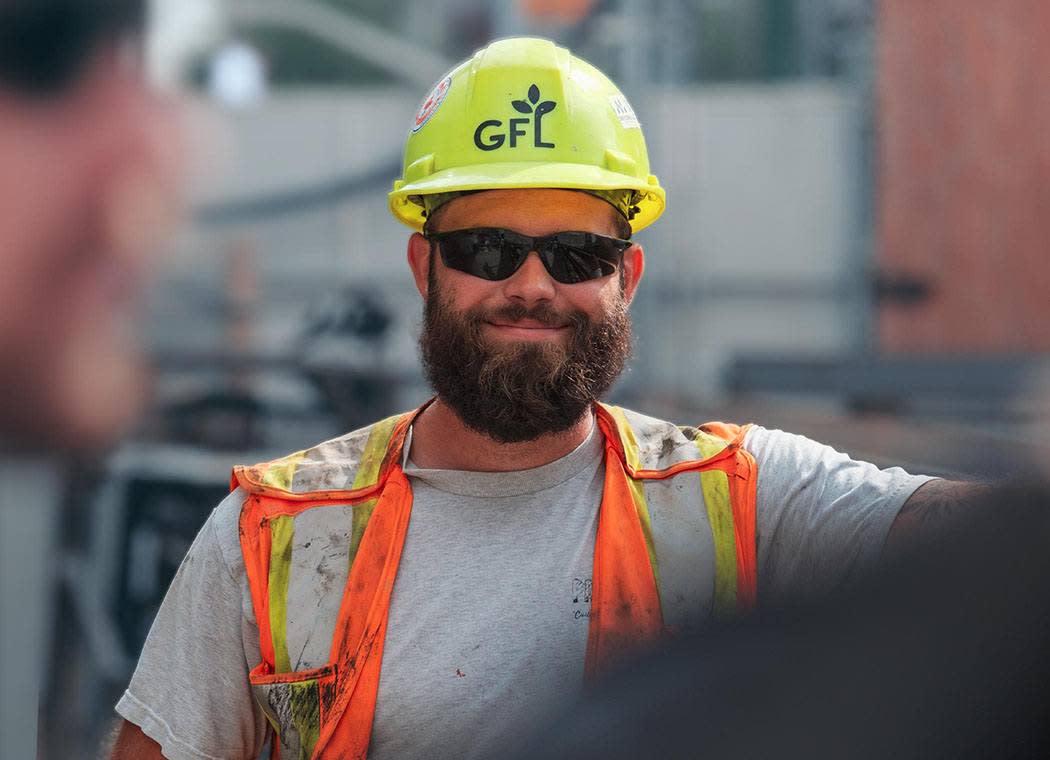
<point x="347" y="468"/>
<point x="653" y="449"/>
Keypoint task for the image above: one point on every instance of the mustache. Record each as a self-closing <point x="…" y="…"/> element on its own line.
<point x="543" y="313"/>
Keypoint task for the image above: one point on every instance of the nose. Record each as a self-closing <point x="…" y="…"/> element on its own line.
<point x="532" y="282"/>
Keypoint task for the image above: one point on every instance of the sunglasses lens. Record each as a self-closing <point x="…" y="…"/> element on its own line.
<point x="482" y="253"/>
<point x="573" y="257"/>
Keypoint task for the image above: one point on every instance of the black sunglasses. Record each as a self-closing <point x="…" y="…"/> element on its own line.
<point x="46" y="44"/>
<point x="495" y="254"/>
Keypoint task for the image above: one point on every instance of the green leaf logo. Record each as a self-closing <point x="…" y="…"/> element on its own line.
<point x="533" y="99"/>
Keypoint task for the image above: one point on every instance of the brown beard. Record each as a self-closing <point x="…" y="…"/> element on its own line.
<point x="518" y="392"/>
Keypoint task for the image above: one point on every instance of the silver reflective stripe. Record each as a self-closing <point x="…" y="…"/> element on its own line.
<point x="684" y="549"/>
<point x="316" y="583"/>
<point x="660" y="444"/>
<point x="332" y="465"/>
<point x="271" y="697"/>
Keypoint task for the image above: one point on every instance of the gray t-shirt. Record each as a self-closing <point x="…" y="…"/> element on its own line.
<point x="488" y="619"/>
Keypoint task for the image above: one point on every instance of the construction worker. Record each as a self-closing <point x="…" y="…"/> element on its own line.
<point x="439" y="581"/>
<point x="88" y="178"/>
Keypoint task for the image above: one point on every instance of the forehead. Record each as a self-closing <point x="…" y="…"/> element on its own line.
<point x="530" y="211"/>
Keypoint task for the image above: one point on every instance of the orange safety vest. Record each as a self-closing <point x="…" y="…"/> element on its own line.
<point x="355" y="484"/>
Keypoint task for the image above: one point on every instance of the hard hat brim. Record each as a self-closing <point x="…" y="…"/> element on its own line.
<point x="526" y="175"/>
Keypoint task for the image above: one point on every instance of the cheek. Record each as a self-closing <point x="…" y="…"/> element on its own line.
<point x="463" y="291"/>
<point x="595" y="298"/>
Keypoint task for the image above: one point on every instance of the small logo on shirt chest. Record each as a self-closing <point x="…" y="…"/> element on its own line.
<point x="581" y="598"/>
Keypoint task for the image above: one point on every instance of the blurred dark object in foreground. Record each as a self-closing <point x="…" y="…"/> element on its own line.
<point x="944" y="656"/>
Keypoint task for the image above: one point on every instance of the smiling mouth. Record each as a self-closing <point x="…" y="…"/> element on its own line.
<point x="527" y="324"/>
<point x="528" y="329"/>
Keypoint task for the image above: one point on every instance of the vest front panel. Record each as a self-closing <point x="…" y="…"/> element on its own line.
<point x="311" y="554"/>
<point x="684" y="549"/>
<point x="319" y="566"/>
<point x="686" y="510"/>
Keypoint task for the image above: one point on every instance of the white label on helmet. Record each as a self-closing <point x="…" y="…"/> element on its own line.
<point x="430" y="105"/>
<point x="624" y="112"/>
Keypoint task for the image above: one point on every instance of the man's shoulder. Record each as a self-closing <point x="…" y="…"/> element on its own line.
<point x="341" y="463"/>
<point x="225" y="529"/>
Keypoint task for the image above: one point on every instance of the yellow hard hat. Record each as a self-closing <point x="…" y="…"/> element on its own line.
<point x="525" y="113"/>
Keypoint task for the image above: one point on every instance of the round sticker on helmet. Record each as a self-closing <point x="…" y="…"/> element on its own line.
<point x="431" y="104"/>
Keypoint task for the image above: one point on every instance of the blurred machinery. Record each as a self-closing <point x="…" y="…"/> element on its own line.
<point x="129" y="523"/>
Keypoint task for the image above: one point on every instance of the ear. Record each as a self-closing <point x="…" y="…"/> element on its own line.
<point x="633" y="269"/>
<point x="419" y="261"/>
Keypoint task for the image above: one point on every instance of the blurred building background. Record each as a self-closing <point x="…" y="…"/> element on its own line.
<point x="858" y="204"/>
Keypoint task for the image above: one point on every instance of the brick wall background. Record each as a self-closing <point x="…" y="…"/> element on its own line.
<point x="964" y="173"/>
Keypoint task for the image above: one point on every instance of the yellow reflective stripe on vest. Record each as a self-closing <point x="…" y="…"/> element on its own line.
<point x="630" y="450"/>
<point x="630" y="443"/>
<point x="368" y="473"/>
<point x="708" y="445"/>
<point x="375" y="452"/>
<point x="280" y="473"/>
<point x="361" y="515"/>
<point x="715" y="486"/>
<point x="282" y="531"/>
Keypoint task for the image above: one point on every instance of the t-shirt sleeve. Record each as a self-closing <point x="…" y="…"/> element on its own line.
<point x="190" y="691"/>
<point x="821" y="517"/>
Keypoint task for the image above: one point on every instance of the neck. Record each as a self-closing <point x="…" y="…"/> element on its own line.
<point x="440" y="440"/>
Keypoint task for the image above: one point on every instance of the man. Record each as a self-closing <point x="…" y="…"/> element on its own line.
<point x="88" y="176"/>
<point x="88" y="173"/>
<point x="435" y="583"/>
